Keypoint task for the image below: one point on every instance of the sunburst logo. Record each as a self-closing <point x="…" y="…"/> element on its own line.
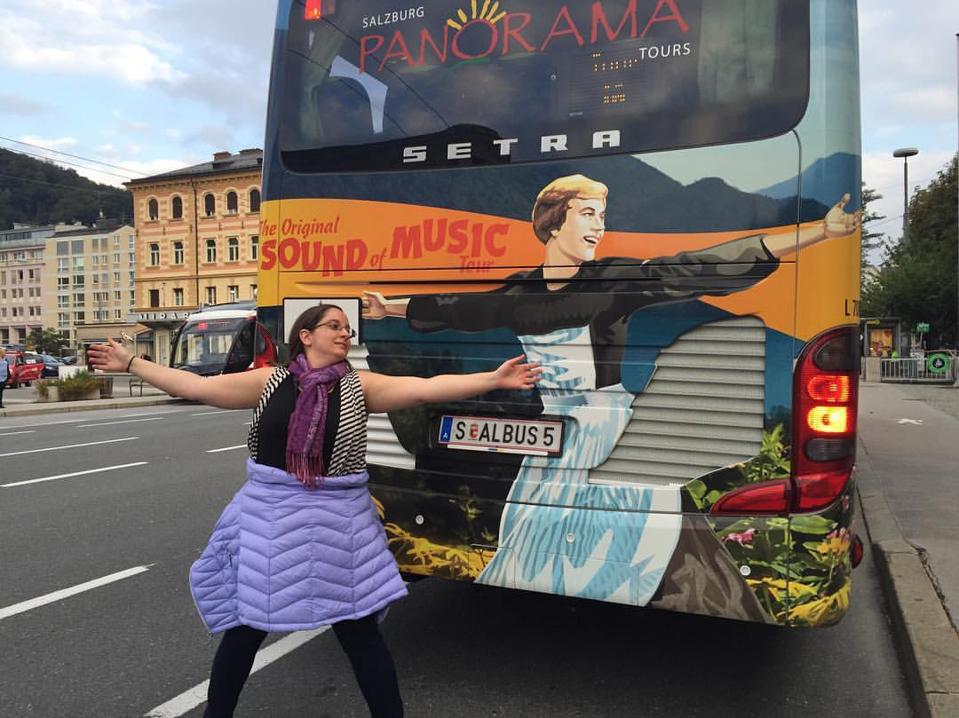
<point x="488" y="13"/>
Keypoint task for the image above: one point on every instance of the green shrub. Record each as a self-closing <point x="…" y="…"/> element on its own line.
<point x="77" y="386"/>
<point x="43" y="388"/>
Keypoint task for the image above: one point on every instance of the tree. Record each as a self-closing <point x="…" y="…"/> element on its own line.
<point x="917" y="282"/>
<point x="46" y="341"/>
<point x="871" y="239"/>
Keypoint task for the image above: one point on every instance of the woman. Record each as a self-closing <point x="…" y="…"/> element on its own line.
<point x="4" y="373"/>
<point x="300" y="545"/>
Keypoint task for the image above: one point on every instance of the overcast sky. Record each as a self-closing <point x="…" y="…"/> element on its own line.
<point x="152" y="85"/>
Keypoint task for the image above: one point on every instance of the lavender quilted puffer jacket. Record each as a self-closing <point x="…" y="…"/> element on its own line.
<point x="286" y="558"/>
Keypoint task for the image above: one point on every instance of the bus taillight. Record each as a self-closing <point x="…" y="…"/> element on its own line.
<point x="825" y="400"/>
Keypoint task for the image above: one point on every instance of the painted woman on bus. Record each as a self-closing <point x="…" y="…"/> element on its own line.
<point x="300" y="545"/>
<point x="571" y="314"/>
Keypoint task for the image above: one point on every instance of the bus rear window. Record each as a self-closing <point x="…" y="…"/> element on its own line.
<point x="367" y="86"/>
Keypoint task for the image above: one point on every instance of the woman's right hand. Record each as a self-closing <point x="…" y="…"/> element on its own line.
<point x="111" y="357"/>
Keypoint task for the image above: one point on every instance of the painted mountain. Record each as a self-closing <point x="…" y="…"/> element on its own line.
<point x="641" y="199"/>
<point x="825" y="180"/>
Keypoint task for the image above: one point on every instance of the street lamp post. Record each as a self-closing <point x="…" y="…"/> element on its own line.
<point x="905" y="153"/>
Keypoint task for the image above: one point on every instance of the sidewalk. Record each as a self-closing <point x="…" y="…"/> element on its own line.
<point x="908" y="474"/>
<point x="63" y="407"/>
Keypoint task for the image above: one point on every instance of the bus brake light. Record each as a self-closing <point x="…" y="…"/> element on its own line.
<point x="314" y="10"/>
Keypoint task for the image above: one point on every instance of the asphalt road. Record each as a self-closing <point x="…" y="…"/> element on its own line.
<point x="134" y="646"/>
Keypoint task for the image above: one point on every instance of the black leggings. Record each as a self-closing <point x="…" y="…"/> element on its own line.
<point x="361" y="640"/>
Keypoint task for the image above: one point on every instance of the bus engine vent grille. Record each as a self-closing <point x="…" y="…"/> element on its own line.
<point x="702" y="410"/>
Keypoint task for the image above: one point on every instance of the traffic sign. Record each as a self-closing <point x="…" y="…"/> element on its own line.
<point x="922" y="328"/>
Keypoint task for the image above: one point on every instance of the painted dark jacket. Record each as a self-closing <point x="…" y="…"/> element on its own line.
<point x="603" y="294"/>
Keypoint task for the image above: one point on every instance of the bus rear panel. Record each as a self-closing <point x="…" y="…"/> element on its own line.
<point x="656" y="200"/>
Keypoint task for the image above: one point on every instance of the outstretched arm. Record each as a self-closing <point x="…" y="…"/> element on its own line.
<point x="226" y="391"/>
<point x="836" y="223"/>
<point x="376" y="306"/>
<point x="387" y="393"/>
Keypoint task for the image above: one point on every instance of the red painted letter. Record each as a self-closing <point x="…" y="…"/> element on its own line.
<point x="675" y="15"/>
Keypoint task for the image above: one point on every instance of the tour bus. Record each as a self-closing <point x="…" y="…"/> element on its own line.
<point x="657" y="200"/>
<point x="221" y="339"/>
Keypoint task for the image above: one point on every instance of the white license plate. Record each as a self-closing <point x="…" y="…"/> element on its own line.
<point x="511" y="436"/>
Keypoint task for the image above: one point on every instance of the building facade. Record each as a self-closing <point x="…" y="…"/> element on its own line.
<point x="198" y="241"/>
<point x="21" y="281"/>
<point x="88" y="282"/>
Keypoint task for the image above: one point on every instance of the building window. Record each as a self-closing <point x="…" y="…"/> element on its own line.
<point x="233" y="249"/>
<point x="254" y="200"/>
<point x="116" y="257"/>
<point x="76" y="246"/>
<point x="63" y="265"/>
<point x="234" y="290"/>
<point x="177" y="208"/>
<point x="178" y="252"/>
<point x="80" y="318"/>
<point x="209" y="204"/>
<point x="177" y="297"/>
<point x="154" y="255"/>
<point x="116" y="277"/>
<point x="63" y="282"/>
<point x="253" y="291"/>
<point x="63" y="248"/>
<point x="232" y="203"/>
<point x="211" y="295"/>
<point x="154" y="297"/>
<point x="254" y="248"/>
<point x="211" y="250"/>
<point x="117" y="314"/>
<point x="153" y="210"/>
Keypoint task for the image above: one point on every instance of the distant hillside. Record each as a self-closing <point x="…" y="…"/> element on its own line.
<point x="38" y="192"/>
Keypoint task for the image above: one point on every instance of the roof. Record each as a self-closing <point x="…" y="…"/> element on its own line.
<point x="222" y="163"/>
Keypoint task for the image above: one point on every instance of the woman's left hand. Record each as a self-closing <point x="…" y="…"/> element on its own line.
<point x="511" y="374"/>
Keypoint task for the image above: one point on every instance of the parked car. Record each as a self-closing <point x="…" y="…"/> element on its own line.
<point x="51" y="365"/>
<point x="24" y="370"/>
<point x="69" y="361"/>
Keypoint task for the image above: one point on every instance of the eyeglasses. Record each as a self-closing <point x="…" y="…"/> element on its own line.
<point x="336" y="328"/>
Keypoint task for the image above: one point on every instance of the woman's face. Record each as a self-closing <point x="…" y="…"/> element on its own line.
<point x="329" y="341"/>
<point x="583" y="229"/>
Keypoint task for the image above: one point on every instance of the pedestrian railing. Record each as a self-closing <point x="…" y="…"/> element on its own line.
<point x="940" y="368"/>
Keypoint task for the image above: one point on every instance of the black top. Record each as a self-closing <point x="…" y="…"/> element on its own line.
<point x="275" y="421"/>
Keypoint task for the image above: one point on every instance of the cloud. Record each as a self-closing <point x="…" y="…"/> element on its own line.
<point x="907" y="62"/>
<point x="19" y="105"/>
<point x="87" y="37"/>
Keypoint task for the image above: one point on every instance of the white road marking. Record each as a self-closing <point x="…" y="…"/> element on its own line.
<point x="14" y="433"/>
<point x="75" y="473"/>
<point x="187" y="701"/>
<point x="72" y="591"/>
<point x="917" y="422"/>
<point x="68" y="446"/>
<point x="217" y="451"/>
<point x="218" y="411"/>
<point x="49" y="423"/>
<point x="124" y="421"/>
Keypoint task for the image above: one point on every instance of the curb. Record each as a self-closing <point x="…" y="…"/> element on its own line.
<point x="926" y="640"/>
<point x="67" y="407"/>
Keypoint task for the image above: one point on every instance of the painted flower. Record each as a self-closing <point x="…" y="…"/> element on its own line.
<point x="745" y="538"/>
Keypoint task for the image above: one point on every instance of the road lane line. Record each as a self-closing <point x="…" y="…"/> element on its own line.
<point x="187" y="701"/>
<point x="72" y="591"/>
<point x="75" y="473"/>
<point x="218" y="411"/>
<point x="217" y="451"/>
<point x="125" y="421"/>
<point x="14" y="433"/>
<point x="48" y="423"/>
<point x="68" y="446"/>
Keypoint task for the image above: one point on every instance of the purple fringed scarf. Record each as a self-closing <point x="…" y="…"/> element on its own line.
<point x="304" y="441"/>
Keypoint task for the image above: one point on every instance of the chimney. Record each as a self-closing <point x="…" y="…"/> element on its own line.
<point x="220" y="156"/>
<point x="251" y="151"/>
